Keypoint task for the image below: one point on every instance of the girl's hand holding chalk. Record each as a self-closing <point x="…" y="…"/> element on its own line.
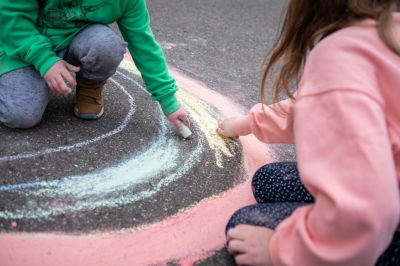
<point x="227" y="128"/>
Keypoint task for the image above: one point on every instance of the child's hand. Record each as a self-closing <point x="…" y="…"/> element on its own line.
<point x="58" y="74"/>
<point x="250" y="245"/>
<point x="177" y="117"/>
<point x="226" y="128"/>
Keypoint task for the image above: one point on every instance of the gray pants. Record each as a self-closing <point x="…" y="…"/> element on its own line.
<point x="23" y="92"/>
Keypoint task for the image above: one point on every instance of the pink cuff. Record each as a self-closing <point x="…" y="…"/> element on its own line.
<point x="273" y="253"/>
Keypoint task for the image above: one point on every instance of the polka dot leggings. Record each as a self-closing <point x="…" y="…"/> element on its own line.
<point x="278" y="191"/>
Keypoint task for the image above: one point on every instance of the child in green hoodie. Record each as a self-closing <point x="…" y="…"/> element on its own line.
<point x="43" y="41"/>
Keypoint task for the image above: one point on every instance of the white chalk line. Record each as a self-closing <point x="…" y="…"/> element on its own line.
<point x="47" y="151"/>
<point x="91" y="191"/>
<point x="36" y="211"/>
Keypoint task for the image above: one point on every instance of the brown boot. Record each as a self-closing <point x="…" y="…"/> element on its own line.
<point x="89" y="99"/>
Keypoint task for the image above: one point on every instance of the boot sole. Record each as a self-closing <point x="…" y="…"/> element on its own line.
<point x="88" y="116"/>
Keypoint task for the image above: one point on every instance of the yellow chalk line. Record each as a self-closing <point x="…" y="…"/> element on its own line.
<point x="204" y="116"/>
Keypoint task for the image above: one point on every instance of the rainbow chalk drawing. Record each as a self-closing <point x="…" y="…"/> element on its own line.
<point x="90" y="191"/>
<point x="172" y="239"/>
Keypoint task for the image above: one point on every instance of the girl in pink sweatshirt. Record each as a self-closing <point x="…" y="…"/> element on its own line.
<point x="340" y="203"/>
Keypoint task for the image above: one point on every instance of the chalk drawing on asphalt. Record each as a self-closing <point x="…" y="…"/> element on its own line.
<point x="106" y="187"/>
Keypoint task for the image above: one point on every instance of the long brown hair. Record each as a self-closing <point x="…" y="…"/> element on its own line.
<point x="308" y="21"/>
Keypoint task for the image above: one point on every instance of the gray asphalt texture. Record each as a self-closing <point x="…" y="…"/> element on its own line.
<point x="221" y="43"/>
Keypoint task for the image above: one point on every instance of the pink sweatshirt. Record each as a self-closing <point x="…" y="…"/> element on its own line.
<point x="345" y="124"/>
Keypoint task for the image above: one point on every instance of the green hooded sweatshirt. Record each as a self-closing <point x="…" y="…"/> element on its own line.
<point x="32" y="31"/>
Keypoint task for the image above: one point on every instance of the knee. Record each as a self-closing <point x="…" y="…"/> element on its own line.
<point x="267" y="181"/>
<point x="23" y="98"/>
<point x="22" y="121"/>
<point x="23" y="118"/>
<point x="104" y="55"/>
<point x="273" y="174"/>
<point x="262" y="179"/>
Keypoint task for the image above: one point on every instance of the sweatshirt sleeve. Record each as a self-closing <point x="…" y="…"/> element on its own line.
<point x="147" y="55"/>
<point x="346" y="162"/>
<point x="270" y="124"/>
<point x="19" y="37"/>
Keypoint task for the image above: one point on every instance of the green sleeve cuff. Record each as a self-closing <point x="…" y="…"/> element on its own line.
<point x="45" y="61"/>
<point x="169" y="104"/>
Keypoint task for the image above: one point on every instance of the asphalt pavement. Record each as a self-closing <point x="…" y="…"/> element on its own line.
<point x="220" y="43"/>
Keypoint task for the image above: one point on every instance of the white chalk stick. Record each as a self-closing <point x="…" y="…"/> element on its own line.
<point x="185" y="131"/>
